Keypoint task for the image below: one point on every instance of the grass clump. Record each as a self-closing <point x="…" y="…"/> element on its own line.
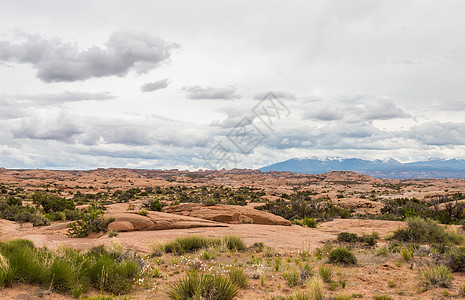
<point x="66" y="270"/>
<point x="316" y="288"/>
<point x="194" y="243"/>
<point x="342" y="256"/>
<point x="382" y="297"/>
<point x="436" y="275"/>
<point x="406" y="253"/>
<point x="292" y="278"/>
<point x="188" y="244"/>
<point x="234" y="243"/>
<point x="237" y="276"/>
<point x="203" y="286"/>
<point x="325" y="273"/>
<point x="421" y="230"/>
<point x="382" y="251"/>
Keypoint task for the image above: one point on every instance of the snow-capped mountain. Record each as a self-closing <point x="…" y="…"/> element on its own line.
<point x="387" y="168"/>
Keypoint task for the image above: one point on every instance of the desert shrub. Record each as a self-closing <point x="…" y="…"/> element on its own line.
<point x="56" y="216"/>
<point x="342" y="256"/>
<point x="436" y="275"/>
<point x="39" y="220"/>
<point x="343" y="297"/>
<point x="154" y="205"/>
<point x="234" y="243"/>
<point x="90" y="220"/>
<point x="5" y="271"/>
<point x="455" y="259"/>
<point x="347" y="237"/>
<point x="367" y="239"/>
<point x="237" y="276"/>
<point x="203" y="286"/>
<point x="325" y="273"/>
<point x="52" y="203"/>
<point x="13" y="201"/>
<point x="301" y="205"/>
<point x="142" y="212"/>
<point x="302" y="296"/>
<point x="425" y="231"/>
<point x="309" y="222"/>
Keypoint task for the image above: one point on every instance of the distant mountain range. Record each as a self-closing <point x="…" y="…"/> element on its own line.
<point x="388" y="168"/>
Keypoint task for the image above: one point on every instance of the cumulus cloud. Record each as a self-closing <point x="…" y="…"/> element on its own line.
<point x="155" y="85"/>
<point x="438" y="133"/>
<point x="382" y="109"/>
<point x="57" y="61"/>
<point x="198" y="93"/>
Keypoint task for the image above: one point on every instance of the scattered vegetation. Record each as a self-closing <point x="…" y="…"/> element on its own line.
<point x="67" y="271"/>
<point x="435" y="275"/>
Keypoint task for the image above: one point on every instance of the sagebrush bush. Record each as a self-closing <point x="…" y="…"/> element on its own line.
<point x="455" y="259"/>
<point x="436" y="275"/>
<point x="426" y="231"/>
<point x="203" y="286"/>
<point x="342" y="256"/>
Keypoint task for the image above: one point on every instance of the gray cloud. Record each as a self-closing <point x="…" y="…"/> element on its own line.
<point x="325" y="113"/>
<point x="155" y="85"/>
<point x="278" y="94"/>
<point x="57" y="61"/>
<point x="198" y="93"/>
<point x="438" y="133"/>
<point x="37" y="128"/>
<point x="382" y="109"/>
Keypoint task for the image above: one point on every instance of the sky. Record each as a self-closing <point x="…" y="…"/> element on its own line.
<point x="223" y="84"/>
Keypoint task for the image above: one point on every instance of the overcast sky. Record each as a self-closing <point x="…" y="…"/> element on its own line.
<point x="179" y="84"/>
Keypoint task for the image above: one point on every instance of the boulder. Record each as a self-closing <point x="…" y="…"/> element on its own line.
<point x="121" y="226"/>
<point x="232" y="214"/>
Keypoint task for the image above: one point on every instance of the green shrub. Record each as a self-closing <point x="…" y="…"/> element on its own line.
<point x="234" y="243"/>
<point x="39" y="220"/>
<point x="91" y="221"/>
<point x="52" y="203"/>
<point x="342" y="256"/>
<point x="309" y="222"/>
<point x="455" y="259"/>
<point x="154" y="205"/>
<point x="436" y="275"/>
<point x="203" y="286"/>
<point x="347" y="237"/>
<point x="425" y="231"/>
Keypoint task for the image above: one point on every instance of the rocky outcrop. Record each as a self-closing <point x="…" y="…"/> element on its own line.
<point x="232" y="214"/>
<point x="129" y="221"/>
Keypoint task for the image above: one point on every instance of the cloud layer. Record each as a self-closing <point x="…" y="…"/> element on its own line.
<point x="57" y="61"/>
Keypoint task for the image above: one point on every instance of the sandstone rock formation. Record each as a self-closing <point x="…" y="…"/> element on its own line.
<point x="156" y="221"/>
<point x="232" y="214"/>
